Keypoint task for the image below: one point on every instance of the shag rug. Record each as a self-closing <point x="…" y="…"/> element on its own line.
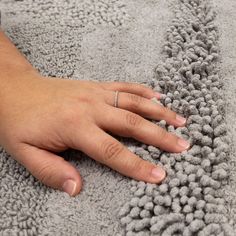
<point x="182" y="48"/>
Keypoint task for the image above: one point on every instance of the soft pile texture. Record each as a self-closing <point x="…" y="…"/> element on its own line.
<point x="191" y="200"/>
<point x="115" y="40"/>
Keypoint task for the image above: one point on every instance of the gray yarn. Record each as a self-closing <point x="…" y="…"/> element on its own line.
<point x="190" y="200"/>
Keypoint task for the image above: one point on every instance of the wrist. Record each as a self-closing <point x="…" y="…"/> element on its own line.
<point x="14" y="69"/>
<point x="13" y="65"/>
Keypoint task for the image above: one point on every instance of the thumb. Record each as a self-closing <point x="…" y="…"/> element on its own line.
<point x="50" y="169"/>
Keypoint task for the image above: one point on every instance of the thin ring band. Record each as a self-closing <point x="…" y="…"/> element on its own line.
<point x="116" y="99"/>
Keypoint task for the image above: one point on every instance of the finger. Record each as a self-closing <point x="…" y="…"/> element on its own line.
<point x="145" y="107"/>
<point x="105" y="149"/>
<point x="50" y="169"/>
<point x="134" y="88"/>
<point x="128" y="124"/>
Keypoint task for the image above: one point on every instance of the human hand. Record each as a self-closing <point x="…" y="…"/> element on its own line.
<point x="41" y="116"/>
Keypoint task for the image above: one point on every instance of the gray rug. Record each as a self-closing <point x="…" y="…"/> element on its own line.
<point x="121" y="41"/>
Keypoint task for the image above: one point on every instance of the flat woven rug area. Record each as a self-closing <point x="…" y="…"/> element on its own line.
<point x="182" y="48"/>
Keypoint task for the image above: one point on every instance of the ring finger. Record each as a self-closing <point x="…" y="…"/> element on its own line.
<point x="144" y="107"/>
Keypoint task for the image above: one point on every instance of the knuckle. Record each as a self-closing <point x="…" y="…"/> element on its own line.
<point x="162" y="110"/>
<point x="165" y="139"/>
<point x="137" y="165"/>
<point x="172" y="114"/>
<point x="133" y="120"/>
<point x="45" y="173"/>
<point x="165" y="112"/>
<point x="163" y="135"/>
<point x="135" y="100"/>
<point x="144" y="90"/>
<point x="111" y="150"/>
<point x="168" y="112"/>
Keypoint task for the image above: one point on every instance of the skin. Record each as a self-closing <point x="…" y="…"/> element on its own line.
<point x="41" y="116"/>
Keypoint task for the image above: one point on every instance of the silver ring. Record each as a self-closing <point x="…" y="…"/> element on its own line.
<point x="116" y="99"/>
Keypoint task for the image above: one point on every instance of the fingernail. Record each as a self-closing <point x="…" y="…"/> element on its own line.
<point x="158" y="173"/>
<point x="183" y="143"/>
<point x="69" y="187"/>
<point x="181" y="120"/>
<point x="158" y="95"/>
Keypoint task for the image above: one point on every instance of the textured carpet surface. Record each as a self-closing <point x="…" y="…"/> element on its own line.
<point x="226" y="21"/>
<point x="95" y="45"/>
<point x="192" y="199"/>
<point x="116" y="40"/>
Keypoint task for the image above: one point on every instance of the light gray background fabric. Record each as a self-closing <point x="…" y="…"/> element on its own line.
<point x="226" y="21"/>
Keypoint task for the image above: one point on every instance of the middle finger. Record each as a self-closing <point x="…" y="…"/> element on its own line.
<point x="128" y="124"/>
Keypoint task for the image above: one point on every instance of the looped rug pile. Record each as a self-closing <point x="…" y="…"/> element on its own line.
<point x="177" y="47"/>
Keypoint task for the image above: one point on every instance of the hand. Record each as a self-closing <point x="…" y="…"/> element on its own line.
<point x="41" y="116"/>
